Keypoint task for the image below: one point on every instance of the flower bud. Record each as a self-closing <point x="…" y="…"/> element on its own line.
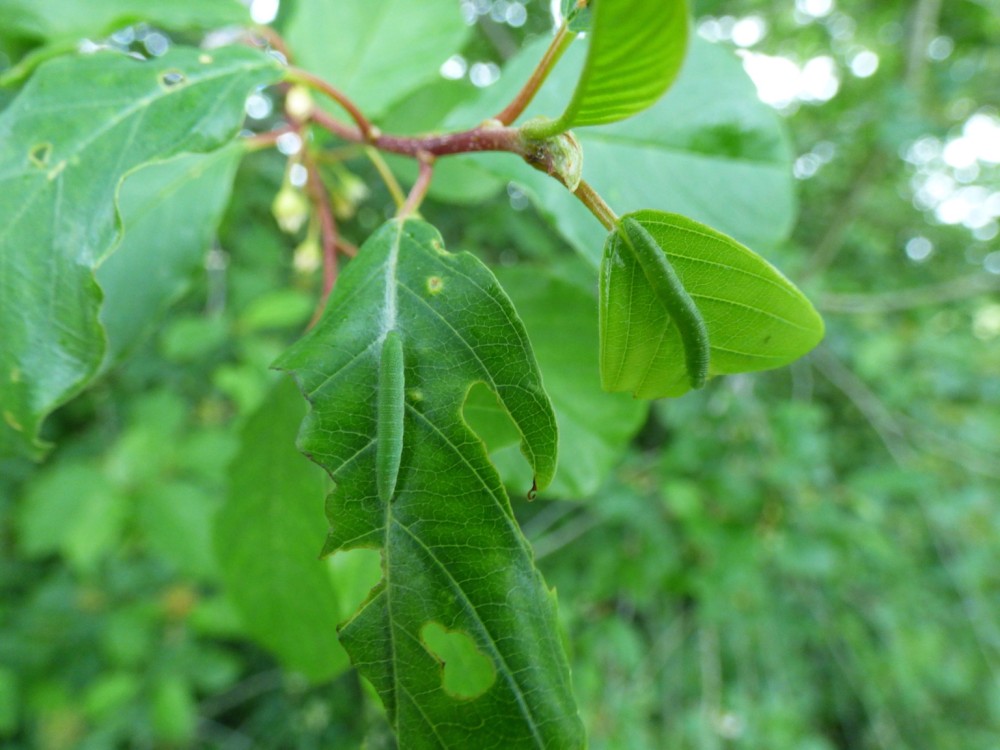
<point x="290" y="209"/>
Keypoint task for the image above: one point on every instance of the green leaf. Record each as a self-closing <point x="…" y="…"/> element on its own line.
<point x="176" y="518"/>
<point x="170" y="212"/>
<point x="559" y="310"/>
<point x="266" y="539"/>
<point x="709" y="150"/>
<point x="453" y="556"/>
<point x="173" y="710"/>
<point x="78" y="127"/>
<point x="71" y="19"/>
<point x="756" y="318"/>
<point x="375" y="51"/>
<point x="577" y="15"/>
<point x="74" y="510"/>
<point x="635" y="53"/>
<point x="10" y="702"/>
<point x="61" y="24"/>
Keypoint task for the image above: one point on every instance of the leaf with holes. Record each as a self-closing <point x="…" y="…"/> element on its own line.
<point x="636" y="51"/>
<point x="558" y="304"/>
<point x="76" y="129"/>
<point x="409" y="329"/>
<point x="755" y="318"/>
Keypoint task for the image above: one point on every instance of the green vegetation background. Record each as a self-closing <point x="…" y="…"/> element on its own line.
<point x="800" y="560"/>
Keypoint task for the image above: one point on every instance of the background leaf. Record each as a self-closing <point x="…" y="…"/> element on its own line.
<point x="169" y="212"/>
<point x="756" y="318"/>
<point x="268" y="536"/>
<point x="635" y="52"/>
<point x="709" y="150"/>
<point x="376" y="51"/>
<point x="578" y="16"/>
<point x="69" y="19"/>
<point x="79" y="125"/>
<point x="453" y="555"/>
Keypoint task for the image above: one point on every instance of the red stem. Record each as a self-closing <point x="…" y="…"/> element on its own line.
<point x="560" y="43"/>
<point x="275" y="39"/>
<point x="267" y="139"/>
<point x="347" y="248"/>
<point x="328" y="232"/>
<point x="462" y="142"/>
<point x="339" y="129"/>
<point x="367" y="129"/>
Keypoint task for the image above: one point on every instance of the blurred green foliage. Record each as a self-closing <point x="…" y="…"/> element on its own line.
<point x="801" y="560"/>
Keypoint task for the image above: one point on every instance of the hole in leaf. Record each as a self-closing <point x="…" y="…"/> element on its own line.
<point x="40" y="154"/>
<point x="466" y="672"/>
<point x="172" y="78"/>
<point x="491" y="422"/>
<point x="355" y="573"/>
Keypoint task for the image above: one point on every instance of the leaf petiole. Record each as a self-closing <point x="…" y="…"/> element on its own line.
<point x="419" y="189"/>
<point x="596" y="205"/>
<point x="391" y="184"/>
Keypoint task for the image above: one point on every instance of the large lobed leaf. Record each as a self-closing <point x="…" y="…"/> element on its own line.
<point x="460" y="638"/>
<point x="756" y="319"/>
<point x="78" y="127"/>
<point x="636" y="51"/>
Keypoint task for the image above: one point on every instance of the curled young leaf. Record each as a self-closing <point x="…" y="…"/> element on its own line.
<point x="669" y="290"/>
<point x="754" y="317"/>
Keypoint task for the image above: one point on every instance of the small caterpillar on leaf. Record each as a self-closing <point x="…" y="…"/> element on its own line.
<point x="672" y="295"/>
<point x="389" y="416"/>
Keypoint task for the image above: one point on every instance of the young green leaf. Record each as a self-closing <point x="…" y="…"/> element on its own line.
<point x="755" y="318"/>
<point x="636" y="51"/>
<point x="454" y="559"/>
<point x="77" y="127"/>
